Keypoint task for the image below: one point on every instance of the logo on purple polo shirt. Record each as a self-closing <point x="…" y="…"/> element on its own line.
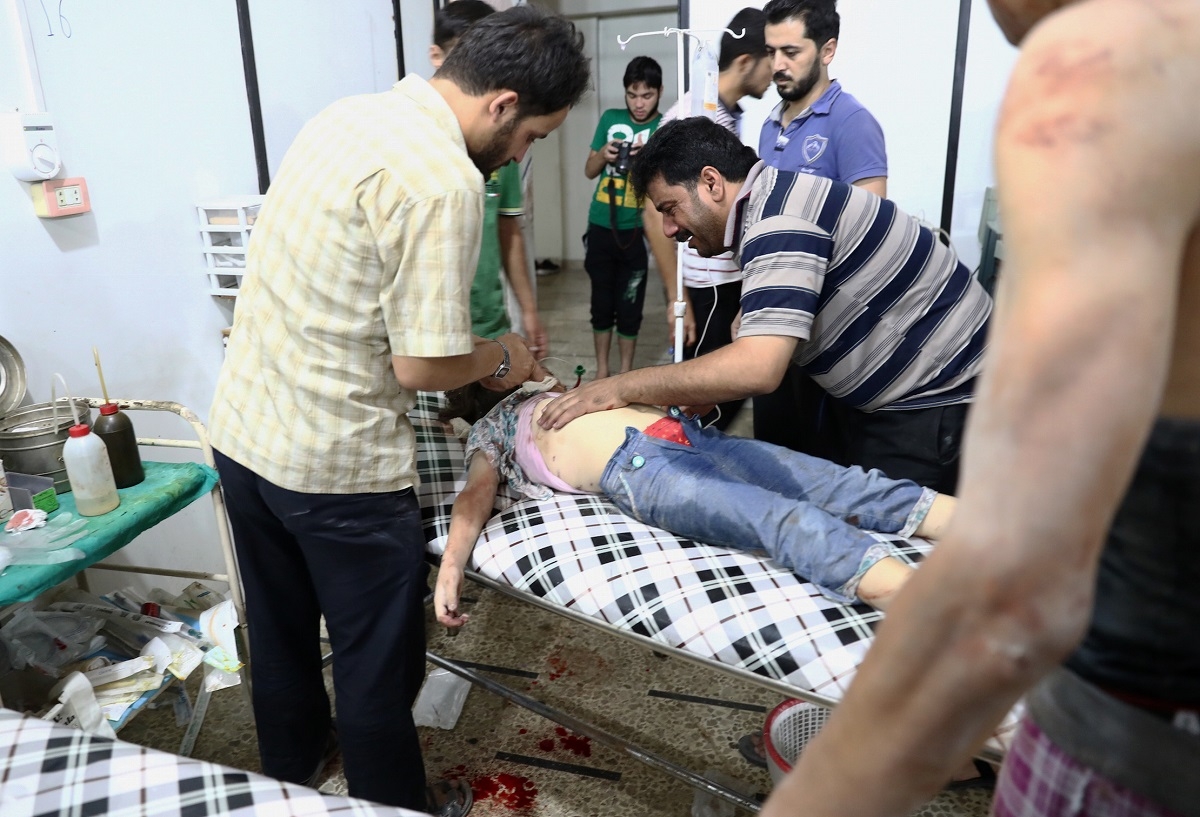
<point x="813" y="147"/>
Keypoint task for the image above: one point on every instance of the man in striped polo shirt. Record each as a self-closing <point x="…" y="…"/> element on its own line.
<point x="861" y="296"/>
<point x="820" y="129"/>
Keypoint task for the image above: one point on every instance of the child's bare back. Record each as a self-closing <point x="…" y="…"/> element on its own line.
<point x="578" y="452"/>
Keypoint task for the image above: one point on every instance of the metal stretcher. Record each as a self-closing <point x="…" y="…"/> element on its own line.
<point x="581" y="557"/>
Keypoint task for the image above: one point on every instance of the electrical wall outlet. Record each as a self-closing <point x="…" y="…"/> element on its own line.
<point x="69" y="196"/>
<point x="61" y="197"/>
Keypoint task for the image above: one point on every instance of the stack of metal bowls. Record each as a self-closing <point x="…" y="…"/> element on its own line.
<point x="32" y="437"/>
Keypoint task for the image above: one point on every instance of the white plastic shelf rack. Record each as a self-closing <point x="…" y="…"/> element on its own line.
<point x="225" y="226"/>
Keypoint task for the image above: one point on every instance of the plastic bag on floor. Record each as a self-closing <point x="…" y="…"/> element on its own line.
<point x="441" y="699"/>
<point x="49" y="641"/>
<point x="76" y="706"/>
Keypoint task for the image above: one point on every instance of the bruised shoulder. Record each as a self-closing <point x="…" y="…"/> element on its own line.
<point x="1100" y="88"/>
<point x="1111" y="53"/>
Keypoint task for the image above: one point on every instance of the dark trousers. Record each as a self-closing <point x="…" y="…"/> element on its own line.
<point x="922" y="445"/>
<point x="714" y="309"/>
<point x="359" y="560"/>
<point x="798" y="415"/>
<point x="1142" y="638"/>
<point x="616" y="264"/>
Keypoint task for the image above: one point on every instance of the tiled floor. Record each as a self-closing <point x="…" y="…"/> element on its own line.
<point x="522" y="764"/>
<point x="564" y="301"/>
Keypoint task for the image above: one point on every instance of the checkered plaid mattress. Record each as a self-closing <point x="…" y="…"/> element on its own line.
<point x="50" y="770"/>
<point x="728" y="607"/>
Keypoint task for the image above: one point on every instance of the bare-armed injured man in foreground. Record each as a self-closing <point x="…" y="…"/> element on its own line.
<point x="1070" y="568"/>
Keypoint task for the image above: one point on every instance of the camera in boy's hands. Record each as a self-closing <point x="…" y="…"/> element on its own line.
<point x="621" y="163"/>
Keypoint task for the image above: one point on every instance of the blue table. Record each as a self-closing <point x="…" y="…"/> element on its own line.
<point x="169" y="487"/>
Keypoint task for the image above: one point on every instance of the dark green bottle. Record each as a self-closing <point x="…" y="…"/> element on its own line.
<point x="115" y="428"/>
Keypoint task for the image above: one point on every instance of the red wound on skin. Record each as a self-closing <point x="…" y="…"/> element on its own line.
<point x="509" y="790"/>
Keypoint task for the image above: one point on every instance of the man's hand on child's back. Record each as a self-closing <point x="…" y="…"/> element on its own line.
<point x="599" y="395"/>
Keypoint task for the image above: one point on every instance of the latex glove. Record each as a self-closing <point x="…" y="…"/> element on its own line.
<point x="39" y="557"/>
<point x="61" y="531"/>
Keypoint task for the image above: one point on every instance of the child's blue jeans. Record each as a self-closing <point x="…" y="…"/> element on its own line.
<point x="810" y="515"/>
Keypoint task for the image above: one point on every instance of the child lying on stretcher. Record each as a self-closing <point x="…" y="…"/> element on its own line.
<point x="808" y="514"/>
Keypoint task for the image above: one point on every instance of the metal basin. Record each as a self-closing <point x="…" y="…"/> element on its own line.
<point x="12" y="378"/>
<point x="31" y="440"/>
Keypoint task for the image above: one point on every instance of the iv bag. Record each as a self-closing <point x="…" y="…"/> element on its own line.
<point x="704" y="80"/>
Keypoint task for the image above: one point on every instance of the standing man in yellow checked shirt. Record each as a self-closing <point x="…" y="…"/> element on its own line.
<point x="356" y="296"/>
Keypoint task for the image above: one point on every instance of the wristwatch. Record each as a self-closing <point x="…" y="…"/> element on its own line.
<point x="502" y="369"/>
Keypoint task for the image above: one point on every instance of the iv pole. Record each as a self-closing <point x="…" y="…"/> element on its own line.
<point x="680" y="33"/>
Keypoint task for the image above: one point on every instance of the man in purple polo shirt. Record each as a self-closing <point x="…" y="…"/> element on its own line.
<point x="817" y="127"/>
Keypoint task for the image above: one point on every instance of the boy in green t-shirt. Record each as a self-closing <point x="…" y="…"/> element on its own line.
<point x="502" y="210"/>
<point x="615" y="256"/>
<point x="503" y="244"/>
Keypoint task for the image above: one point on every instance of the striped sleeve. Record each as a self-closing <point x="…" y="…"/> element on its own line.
<point x="680" y="110"/>
<point x="784" y="261"/>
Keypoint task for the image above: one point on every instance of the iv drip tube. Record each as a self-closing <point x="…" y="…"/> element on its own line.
<point x="680" y="305"/>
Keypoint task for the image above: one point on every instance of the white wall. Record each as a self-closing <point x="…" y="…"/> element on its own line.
<point x="550" y="235"/>
<point x="594" y="8"/>
<point x="989" y="62"/>
<point x="898" y="60"/>
<point x="416" y="17"/>
<point x="558" y="164"/>
<point x="150" y="107"/>
<point x="296" y="43"/>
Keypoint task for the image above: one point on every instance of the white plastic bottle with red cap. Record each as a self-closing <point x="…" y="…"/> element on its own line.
<point x="90" y="472"/>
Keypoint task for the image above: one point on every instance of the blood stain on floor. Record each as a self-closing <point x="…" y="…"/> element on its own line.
<point x="509" y="790"/>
